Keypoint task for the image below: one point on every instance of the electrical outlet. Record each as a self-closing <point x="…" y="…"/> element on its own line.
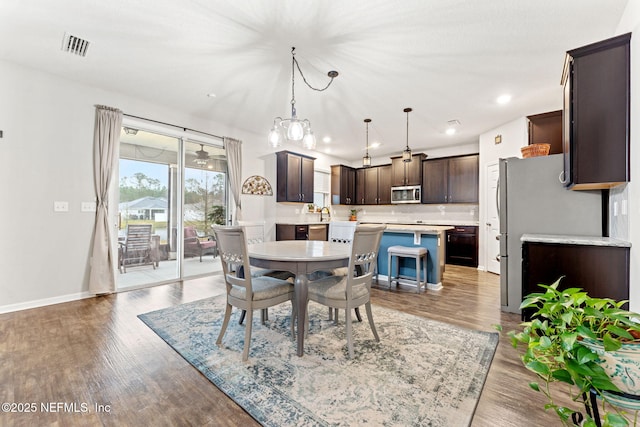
<point x="61" y="206"/>
<point x="623" y="206"/>
<point x="615" y="208"/>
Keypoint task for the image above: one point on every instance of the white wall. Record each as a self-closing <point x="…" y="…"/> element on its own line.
<point x="630" y="22"/>
<point x="46" y="155"/>
<point x="514" y="135"/>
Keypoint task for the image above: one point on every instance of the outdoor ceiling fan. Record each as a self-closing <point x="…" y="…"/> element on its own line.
<point x="202" y="157"/>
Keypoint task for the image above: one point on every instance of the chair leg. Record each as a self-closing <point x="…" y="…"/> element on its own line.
<point x="418" y="275"/>
<point x="244" y="313"/>
<point x="347" y="313"/>
<point x="294" y="317"/>
<point x="358" y="316"/>
<point x="370" y="317"/>
<point x="247" y="335"/>
<point x="225" y="322"/>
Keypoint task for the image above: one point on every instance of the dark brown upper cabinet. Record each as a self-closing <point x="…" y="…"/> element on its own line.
<point x="295" y="177"/>
<point x="450" y="180"/>
<point x="596" y="114"/>
<point x="407" y="173"/>
<point x="373" y="185"/>
<point x="343" y="185"/>
<point x="546" y="128"/>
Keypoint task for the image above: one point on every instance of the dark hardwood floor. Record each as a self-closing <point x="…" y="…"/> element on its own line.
<point x="97" y="352"/>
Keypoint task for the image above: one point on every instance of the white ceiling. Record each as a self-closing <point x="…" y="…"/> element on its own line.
<point x="447" y="59"/>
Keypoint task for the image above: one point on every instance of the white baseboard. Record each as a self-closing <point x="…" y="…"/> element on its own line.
<point x="481" y="268"/>
<point x="43" y="302"/>
<point x="409" y="282"/>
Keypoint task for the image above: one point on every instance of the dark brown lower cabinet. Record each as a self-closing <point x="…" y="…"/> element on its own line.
<point x="301" y="232"/>
<point x="462" y="246"/>
<point x="602" y="271"/>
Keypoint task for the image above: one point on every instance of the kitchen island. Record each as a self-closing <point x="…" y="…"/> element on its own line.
<point x="431" y="237"/>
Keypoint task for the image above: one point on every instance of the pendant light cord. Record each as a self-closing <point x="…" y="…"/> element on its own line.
<point x="331" y="74"/>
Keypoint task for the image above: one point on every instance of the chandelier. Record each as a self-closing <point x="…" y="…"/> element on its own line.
<point x="406" y="154"/>
<point x="293" y="129"/>
<point x="366" y="160"/>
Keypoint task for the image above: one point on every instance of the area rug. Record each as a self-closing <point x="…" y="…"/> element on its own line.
<point x="421" y="373"/>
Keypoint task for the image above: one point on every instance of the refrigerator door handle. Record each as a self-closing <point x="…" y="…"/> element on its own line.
<point x="498" y="196"/>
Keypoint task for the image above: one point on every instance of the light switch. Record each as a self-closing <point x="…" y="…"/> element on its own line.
<point x="61" y="206"/>
<point x="88" y="207"/>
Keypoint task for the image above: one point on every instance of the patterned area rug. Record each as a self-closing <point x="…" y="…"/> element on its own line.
<point x="421" y="373"/>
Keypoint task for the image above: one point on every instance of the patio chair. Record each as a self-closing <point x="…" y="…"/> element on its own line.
<point x="137" y="247"/>
<point x="351" y="291"/>
<point x="195" y="246"/>
<point x="247" y="293"/>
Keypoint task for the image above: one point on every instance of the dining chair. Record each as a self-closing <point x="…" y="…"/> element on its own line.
<point x="247" y="292"/>
<point x="352" y="290"/>
<point x="340" y="232"/>
<point x="254" y="233"/>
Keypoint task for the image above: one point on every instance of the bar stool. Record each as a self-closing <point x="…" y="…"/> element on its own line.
<point x="416" y="252"/>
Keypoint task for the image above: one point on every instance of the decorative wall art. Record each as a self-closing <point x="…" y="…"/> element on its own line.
<point x="257" y="185"/>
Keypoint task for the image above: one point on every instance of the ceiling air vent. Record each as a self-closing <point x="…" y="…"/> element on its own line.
<point x="73" y="44"/>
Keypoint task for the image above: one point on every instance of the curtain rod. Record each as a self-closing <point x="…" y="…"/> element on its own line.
<point x="175" y="126"/>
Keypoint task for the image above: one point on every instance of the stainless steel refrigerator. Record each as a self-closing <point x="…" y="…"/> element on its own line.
<point x="533" y="200"/>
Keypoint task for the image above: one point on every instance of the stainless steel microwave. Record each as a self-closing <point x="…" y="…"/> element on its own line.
<point x="406" y="194"/>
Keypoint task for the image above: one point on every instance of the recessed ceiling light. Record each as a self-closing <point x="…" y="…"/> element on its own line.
<point x="374" y="145"/>
<point x="211" y="95"/>
<point x="450" y="131"/>
<point x="503" y="99"/>
<point x="326" y="139"/>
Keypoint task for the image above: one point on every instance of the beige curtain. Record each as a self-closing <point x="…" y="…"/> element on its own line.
<point x="233" y="148"/>
<point x="106" y="142"/>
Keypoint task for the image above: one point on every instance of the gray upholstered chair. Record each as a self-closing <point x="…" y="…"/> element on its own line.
<point x="246" y="292"/>
<point x="351" y="291"/>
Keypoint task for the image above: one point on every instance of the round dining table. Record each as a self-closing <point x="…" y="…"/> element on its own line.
<point x="300" y="257"/>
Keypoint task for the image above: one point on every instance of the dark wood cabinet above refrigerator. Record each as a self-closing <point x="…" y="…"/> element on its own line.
<point x="596" y="114"/>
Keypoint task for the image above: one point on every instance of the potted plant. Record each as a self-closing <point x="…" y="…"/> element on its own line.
<point x="353" y="214"/>
<point x="577" y="340"/>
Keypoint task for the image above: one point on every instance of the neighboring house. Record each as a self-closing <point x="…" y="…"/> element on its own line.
<point x="151" y="208"/>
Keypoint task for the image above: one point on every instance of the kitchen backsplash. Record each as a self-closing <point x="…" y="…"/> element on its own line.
<point x="450" y="214"/>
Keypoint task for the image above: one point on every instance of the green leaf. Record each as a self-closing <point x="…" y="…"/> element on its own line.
<point x="586" y="332"/>
<point x="563" y="412"/>
<point x="545" y="343"/>
<point x="538" y="367"/>
<point x="610" y="343"/>
<point x="615" y="420"/>
<point x="604" y="383"/>
<point x="616" y="330"/>
<point x="584" y="355"/>
<point x="562" y="375"/>
<point x="534" y="385"/>
<point x="569" y="340"/>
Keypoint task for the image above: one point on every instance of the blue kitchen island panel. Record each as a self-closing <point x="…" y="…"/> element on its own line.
<point x="435" y="255"/>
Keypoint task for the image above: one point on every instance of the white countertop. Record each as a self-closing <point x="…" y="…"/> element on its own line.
<point x="415" y="228"/>
<point x="575" y="240"/>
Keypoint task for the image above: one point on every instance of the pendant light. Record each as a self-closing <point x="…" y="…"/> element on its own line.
<point x="406" y="154"/>
<point x="366" y="160"/>
<point x="293" y="129"/>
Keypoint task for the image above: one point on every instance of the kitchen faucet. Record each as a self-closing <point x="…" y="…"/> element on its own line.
<point x="322" y="211"/>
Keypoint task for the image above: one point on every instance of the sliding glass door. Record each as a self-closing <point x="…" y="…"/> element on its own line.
<point x="176" y="187"/>
<point x="205" y="201"/>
